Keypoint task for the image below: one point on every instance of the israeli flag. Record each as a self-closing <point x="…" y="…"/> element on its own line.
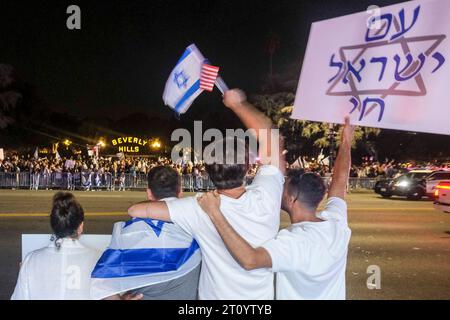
<point x="143" y="252"/>
<point x="183" y="85"/>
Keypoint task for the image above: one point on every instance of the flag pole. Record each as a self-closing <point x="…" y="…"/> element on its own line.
<point x="221" y="85"/>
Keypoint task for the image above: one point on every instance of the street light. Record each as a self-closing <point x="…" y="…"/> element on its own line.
<point x="100" y="144"/>
<point x="67" y="143"/>
<point x="156" y="144"/>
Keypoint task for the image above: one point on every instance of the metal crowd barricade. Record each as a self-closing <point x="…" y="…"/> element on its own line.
<point x="14" y="180"/>
<point x="5" y="180"/>
<point x="57" y="181"/>
<point x="362" y="183"/>
<point x="192" y="183"/>
<point x="89" y="181"/>
<point x="187" y="182"/>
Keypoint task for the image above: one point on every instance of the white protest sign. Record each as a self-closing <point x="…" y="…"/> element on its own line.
<point x="70" y="164"/>
<point x="2" y="154"/>
<point x="32" y="242"/>
<point x="387" y="68"/>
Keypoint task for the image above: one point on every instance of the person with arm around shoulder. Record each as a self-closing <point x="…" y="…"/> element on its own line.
<point x="310" y="256"/>
<point x="253" y="210"/>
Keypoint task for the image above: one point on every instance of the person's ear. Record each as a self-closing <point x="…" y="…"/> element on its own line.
<point x="150" y="195"/>
<point x="80" y="229"/>
<point x="292" y="199"/>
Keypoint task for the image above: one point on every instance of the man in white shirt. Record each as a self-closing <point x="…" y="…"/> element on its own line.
<point x="254" y="211"/>
<point x="310" y="256"/>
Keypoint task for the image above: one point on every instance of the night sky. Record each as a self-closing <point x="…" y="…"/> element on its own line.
<point x="119" y="61"/>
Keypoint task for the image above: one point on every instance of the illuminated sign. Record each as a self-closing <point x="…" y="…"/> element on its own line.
<point x="129" y="144"/>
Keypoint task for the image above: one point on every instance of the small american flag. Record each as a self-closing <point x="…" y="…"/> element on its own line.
<point x="208" y="77"/>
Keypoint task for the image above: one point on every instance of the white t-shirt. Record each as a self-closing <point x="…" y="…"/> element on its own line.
<point x="255" y="216"/>
<point x="52" y="274"/>
<point x="310" y="258"/>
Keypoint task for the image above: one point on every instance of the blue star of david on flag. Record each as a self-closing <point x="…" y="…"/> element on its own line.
<point x="157" y="228"/>
<point x="180" y="79"/>
<point x="183" y="85"/>
<point x="143" y="252"/>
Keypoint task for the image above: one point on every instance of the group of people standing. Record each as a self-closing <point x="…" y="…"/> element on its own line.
<point x="225" y="244"/>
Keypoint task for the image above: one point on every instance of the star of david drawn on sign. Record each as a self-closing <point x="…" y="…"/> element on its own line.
<point x="410" y="71"/>
<point x="181" y="79"/>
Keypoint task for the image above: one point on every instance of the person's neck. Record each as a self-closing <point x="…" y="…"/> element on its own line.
<point x="235" y="193"/>
<point x="301" y="214"/>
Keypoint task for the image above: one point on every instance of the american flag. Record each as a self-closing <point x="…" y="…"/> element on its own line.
<point x="208" y="77"/>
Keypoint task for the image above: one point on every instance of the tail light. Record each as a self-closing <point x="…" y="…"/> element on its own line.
<point x="441" y="186"/>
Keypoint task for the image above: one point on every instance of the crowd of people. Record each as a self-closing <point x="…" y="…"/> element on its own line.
<point x="112" y="165"/>
<point x="369" y="168"/>
<point x="142" y="165"/>
<point x="113" y="173"/>
<point x="91" y="173"/>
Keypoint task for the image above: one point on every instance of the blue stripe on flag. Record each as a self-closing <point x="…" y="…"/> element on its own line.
<point x="193" y="89"/>
<point x="117" y="263"/>
<point x="186" y="53"/>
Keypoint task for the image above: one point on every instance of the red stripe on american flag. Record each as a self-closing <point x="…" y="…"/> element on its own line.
<point x="209" y="71"/>
<point x="208" y="77"/>
<point x="203" y="76"/>
<point x="210" y="68"/>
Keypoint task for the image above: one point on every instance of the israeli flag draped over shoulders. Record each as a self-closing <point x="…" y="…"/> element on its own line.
<point x="143" y="252"/>
<point x="183" y="85"/>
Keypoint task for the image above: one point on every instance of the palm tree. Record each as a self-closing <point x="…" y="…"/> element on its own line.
<point x="279" y="108"/>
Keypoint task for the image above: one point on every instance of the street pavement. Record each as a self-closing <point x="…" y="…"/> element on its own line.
<point x="407" y="240"/>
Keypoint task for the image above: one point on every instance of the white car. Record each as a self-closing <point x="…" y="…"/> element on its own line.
<point x="433" y="180"/>
<point x="442" y="196"/>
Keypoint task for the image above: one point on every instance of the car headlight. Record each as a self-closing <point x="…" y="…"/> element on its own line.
<point x="402" y="184"/>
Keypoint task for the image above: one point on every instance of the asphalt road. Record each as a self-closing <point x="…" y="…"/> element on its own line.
<point x="409" y="241"/>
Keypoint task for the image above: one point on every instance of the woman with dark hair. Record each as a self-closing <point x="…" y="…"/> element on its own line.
<point x="62" y="270"/>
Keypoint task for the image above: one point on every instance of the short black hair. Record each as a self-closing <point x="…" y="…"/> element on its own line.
<point x="230" y="173"/>
<point x="164" y="182"/>
<point x="227" y="176"/>
<point x="66" y="216"/>
<point x="308" y="188"/>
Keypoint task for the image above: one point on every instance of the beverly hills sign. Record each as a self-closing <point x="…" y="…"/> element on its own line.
<point x="130" y="144"/>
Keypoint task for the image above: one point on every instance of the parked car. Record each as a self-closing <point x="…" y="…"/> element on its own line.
<point x="434" y="179"/>
<point x="411" y="185"/>
<point x="442" y="196"/>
